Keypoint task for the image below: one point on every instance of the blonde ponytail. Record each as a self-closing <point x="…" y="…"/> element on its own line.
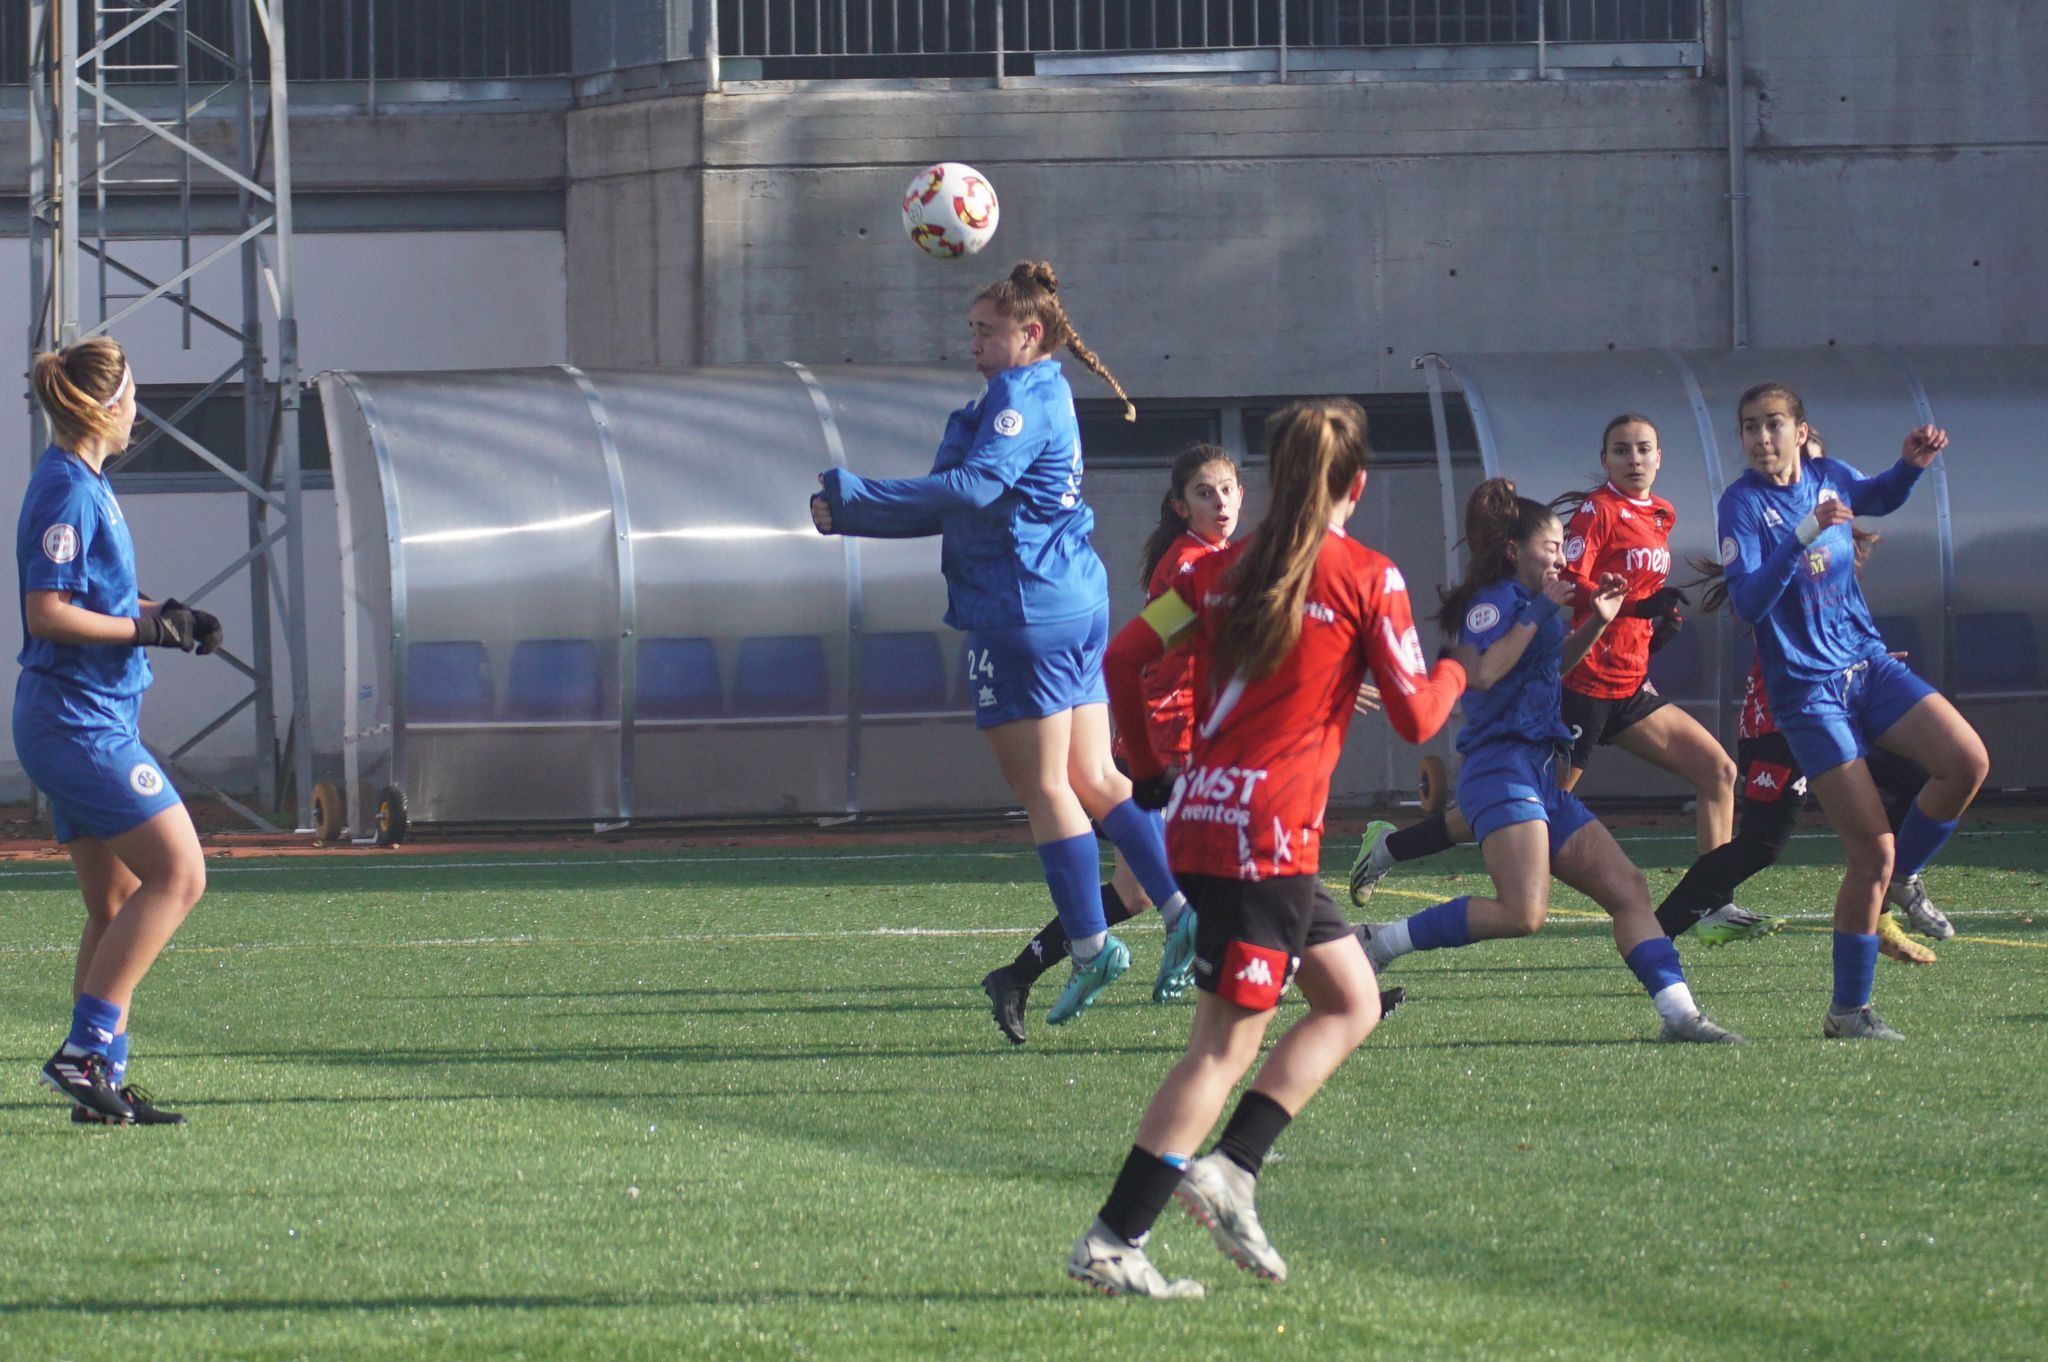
<point x="74" y="387"/>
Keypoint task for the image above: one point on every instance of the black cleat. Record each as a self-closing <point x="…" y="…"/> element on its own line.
<point x="83" y="1079"/>
<point x="147" y="1112"/>
<point x="1007" y="996"/>
<point x="1391" y="998"/>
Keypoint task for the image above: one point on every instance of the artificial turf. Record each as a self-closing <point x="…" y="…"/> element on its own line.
<point x="732" y="1103"/>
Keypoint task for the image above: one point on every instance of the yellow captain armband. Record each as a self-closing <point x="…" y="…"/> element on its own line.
<point x="1170" y="617"/>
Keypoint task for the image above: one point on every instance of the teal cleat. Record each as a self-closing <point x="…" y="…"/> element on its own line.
<point x="1088" y="980"/>
<point x="1177" y="961"/>
<point x="1371" y="864"/>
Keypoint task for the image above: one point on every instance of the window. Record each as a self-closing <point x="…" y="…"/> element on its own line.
<point x="158" y="463"/>
<point x="1398" y="425"/>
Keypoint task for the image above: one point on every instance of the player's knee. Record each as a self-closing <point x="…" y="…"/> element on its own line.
<point x="1971" y="764"/>
<point x="1525" y="914"/>
<point x="1720" y="780"/>
<point x="1870" y="861"/>
<point x="185" y="881"/>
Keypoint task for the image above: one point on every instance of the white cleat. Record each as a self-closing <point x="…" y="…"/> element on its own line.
<point x="1103" y="1261"/>
<point x="1698" y="1029"/>
<point x="1909" y="896"/>
<point x="1218" y="1193"/>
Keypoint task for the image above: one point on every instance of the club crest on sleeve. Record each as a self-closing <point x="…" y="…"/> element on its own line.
<point x="1728" y="550"/>
<point x="1575" y="548"/>
<point x="60" y="543"/>
<point x="146" y="780"/>
<point x="1482" y="617"/>
<point x="1009" y="421"/>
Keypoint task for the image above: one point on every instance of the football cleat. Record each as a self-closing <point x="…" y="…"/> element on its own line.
<point x="1909" y="896"/>
<point x="1177" y="961"/>
<point x="1007" y="995"/>
<point x="1858" y="1023"/>
<point x="1730" y="923"/>
<point x="1371" y="864"/>
<point x="1893" y="941"/>
<point x="1104" y="1260"/>
<point x="1698" y="1029"/>
<point x="147" y="1112"/>
<point x="85" y="1079"/>
<point x="1088" y="980"/>
<point x="1218" y="1193"/>
<point x="1391" y="998"/>
<point x="1369" y="936"/>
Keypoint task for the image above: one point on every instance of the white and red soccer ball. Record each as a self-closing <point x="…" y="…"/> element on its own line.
<point x="949" y="210"/>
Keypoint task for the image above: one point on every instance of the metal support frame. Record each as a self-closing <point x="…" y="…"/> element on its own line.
<point x="153" y="119"/>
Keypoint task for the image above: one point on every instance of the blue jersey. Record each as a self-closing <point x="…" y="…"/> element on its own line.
<point x="1810" y="618"/>
<point x="1525" y="705"/>
<point x="72" y="537"/>
<point x="1005" y="495"/>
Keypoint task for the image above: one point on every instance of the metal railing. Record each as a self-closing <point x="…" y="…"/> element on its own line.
<point x="896" y="37"/>
<point x="339" y="40"/>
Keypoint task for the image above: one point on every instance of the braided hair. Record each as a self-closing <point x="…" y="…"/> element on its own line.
<point x="1031" y="294"/>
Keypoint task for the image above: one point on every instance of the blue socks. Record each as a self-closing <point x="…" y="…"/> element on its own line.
<point x="1855" y="964"/>
<point x="1655" y="963"/>
<point x="1140" y="834"/>
<point x="1920" y="837"/>
<point x="117" y="1059"/>
<point x="1442" y="927"/>
<point x="1073" y="872"/>
<point x="93" y="1023"/>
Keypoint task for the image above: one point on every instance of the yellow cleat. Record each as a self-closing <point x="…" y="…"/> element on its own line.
<point x="1893" y="941"/>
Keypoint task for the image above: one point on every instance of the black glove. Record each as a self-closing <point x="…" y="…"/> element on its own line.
<point x="172" y="626"/>
<point x="1155" y="793"/>
<point x="206" y="630"/>
<point x="1662" y="603"/>
<point x="1664" y="630"/>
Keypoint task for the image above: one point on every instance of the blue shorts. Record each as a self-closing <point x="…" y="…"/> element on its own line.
<point x="1516" y="782"/>
<point x="1834" y="721"/>
<point x="82" y="751"/>
<point x="1033" y="670"/>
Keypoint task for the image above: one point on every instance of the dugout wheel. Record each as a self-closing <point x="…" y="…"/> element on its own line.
<point x="1433" y="785"/>
<point x="390" y="816"/>
<point x="327" y="814"/>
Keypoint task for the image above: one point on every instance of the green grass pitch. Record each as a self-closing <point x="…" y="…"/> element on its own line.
<point x="736" y="1103"/>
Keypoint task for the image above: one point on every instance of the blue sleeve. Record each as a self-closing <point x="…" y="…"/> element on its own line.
<point x="1491" y="614"/>
<point x="58" y="524"/>
<point x="1757" y="576"/>
<point x="1011" y="432"/>
<point x="856" y="511"/>
<point x="1880" y="495"/>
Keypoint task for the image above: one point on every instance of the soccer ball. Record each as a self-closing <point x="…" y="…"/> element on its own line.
<point x="949" y="210"/>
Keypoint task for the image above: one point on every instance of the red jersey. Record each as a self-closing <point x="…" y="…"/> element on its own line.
<point x="1756" y="720"/>
<point x="1615" y="532"/>
<point x="1169" y="681"/>
<point x="1250" y="804"/>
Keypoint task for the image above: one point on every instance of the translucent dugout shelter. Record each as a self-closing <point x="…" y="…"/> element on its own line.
<point x="598" y="596"/>
<point x="1956" y="583"/>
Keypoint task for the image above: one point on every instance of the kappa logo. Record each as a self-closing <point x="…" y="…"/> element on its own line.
<point x="146" y="780"/>
<point x="1395" y="581"/>
<point x="1482" y="617"/>
<point x="60" y="543"/>
<point x="1256" y="973"/>
<point x="1009" y="421"/>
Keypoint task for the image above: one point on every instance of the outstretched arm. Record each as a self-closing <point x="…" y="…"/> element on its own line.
<point x="1163" y="623"/>
<point x="1417" y="700"/>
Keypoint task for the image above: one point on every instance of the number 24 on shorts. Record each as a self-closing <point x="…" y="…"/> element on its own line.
<point x="980" y="664"/>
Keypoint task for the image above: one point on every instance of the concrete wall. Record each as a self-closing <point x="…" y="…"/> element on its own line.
<point x="1219" y="239"/>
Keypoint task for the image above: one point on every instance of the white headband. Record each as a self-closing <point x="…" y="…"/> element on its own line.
<point x="121" y="388"/>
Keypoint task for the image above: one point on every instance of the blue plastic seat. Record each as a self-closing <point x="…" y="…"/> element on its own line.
<point x="1901" y="634"/>
<point x="555" y="678"/>
<point x="901" y="673"/>
<point x="781" y="674"/>
<point x="1997" y="650"/>
<point x="448" y="683"/>
<point x="678" y="679"/>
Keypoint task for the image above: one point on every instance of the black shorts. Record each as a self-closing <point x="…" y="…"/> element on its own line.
<point x="1766" y="772"/>
<point x="1249" y="934"/>
<point x="1602" y="721"/>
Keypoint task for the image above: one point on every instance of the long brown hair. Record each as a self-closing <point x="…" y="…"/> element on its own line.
<point x="1712" y="575"/>
<point x="1315" y="450"/>
<point x="73" y="387"/>
<point x="1031" y="293"/>
<point x="1496" y="519"/>
<point x="1191" y="461"/>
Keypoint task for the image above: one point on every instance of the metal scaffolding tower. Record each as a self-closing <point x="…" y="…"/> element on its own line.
<point x="92" y="145"/>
